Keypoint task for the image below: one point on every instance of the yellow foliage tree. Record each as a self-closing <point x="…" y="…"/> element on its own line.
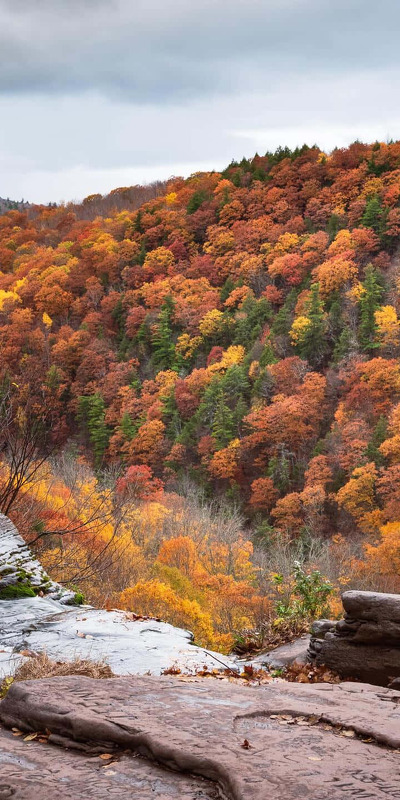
<point x="388" y="326"/>
<point x="156" y="599"/>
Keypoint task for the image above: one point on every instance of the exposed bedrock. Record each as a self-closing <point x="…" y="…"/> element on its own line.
<point x="365" y="644"/>
<point x="283" y="740"/>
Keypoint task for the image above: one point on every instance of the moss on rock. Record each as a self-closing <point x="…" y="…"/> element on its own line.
<point x="16" y="591"/>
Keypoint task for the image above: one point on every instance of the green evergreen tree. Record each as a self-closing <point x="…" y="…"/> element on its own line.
<point x="142" y="253"/>
<point x="283" y="319"/>
<point x="197" y="199"/>
<point x="267" y="356"/>
<point x="249" y="327"/>
<point x="378" y="437"/>
<point x="238" y="415"/>
<point x="342" y="346"/>
<point x="313" y="345"/>
<point x="227" y="288"/>
<point x="235" y="384"/>
<point x="374" y="216"/>
<point x="171" y="416"/>
<point x="128" y="427"/>
<point x="138" y="227"/>
<point x="370" y="300"/>
<point x="223" y="423"/>
<point x="91" y="411"/>
<point x="334" y="225"/>
<point x="163" y="346"/>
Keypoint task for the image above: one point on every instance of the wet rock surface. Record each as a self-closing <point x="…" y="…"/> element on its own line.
<point x="26" y="767"/>
<point x="366" y="642"/>
<point x="320" y="741"/>
<point x="130" y="646"/>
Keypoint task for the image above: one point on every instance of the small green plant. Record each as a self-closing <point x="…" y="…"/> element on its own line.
<point x="307" y="596"/>
<point x="5" y="685"/>
<point x="277" y="673"/>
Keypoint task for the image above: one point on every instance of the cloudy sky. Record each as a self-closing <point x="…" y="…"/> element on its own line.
<point x="96" y="94"/>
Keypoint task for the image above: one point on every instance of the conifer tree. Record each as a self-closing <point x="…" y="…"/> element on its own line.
<point x="373" y="216"/>
<point x="223" y="424"/>
<point x="128" y="427"/>
<point x="313" y="344"/>
<point x="92" y="412"/>
<point x="369" y="302"/>
<point x="163" y="346"/>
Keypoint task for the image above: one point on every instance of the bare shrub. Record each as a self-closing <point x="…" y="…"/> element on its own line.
<point x="41" y="666"/>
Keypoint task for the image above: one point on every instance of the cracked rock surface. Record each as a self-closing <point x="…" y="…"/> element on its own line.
<point x="282" y="740"/>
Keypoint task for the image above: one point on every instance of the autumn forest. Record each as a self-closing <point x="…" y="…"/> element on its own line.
<point x="200" y="390"/>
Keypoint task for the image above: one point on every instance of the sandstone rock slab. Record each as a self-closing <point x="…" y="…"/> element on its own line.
<point x="279" y="740"/>
<point x="29" y="768"/>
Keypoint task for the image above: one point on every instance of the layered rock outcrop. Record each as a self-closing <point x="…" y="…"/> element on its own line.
<point x="365" y="644"/>
<point x="22" y="575"/>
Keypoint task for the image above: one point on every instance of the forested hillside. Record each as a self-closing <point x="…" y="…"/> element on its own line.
<point x="222" y="365"/>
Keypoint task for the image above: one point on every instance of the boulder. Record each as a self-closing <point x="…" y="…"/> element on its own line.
<point x="375" y="606"/>
<point x="365" y="644"/>
<point x="286" y="654"/>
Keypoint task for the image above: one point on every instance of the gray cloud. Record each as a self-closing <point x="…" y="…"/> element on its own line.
<point x="100" y="93"/>
<point x="171" y="50"/>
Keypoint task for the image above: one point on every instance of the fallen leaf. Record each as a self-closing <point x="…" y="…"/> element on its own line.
<point x="246" y="745"/>
<point x="350" y="734"/>
<point x="105" y="756"/>
<point x="314" y="758"/>
<point x="30" y="737"/>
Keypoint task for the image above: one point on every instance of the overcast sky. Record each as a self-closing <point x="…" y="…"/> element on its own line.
<point x="96" y="94"/>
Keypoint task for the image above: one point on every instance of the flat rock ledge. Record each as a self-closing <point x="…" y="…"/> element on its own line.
<point x="365" y="644"/>
<point x="279" y="740"/>
<point x="39" y="615"/>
